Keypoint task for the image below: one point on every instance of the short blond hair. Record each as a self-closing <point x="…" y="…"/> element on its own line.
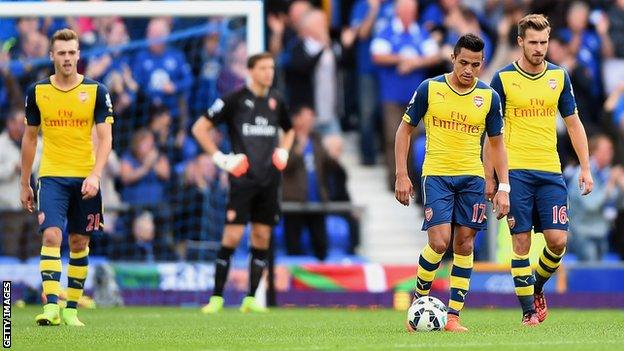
<point x="533" y="21"/>
<point x="65" y="34"/>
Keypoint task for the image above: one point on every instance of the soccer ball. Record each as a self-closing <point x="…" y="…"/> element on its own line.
<point x="427" y="314"/>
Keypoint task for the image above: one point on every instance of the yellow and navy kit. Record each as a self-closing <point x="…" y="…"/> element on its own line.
<point x="454" y="124"/>
<point x="530" y="105"/>
<point x="66" y="118"/>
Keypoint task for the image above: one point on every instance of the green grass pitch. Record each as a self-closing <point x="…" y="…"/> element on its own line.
<point x="165" y="328"/>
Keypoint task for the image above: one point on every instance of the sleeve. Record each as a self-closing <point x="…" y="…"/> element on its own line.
<point x="220" y="110"/>
<point x="33" y="115"/>
<point x="284" y="116"/>
<point x="103" y="112"/>
<point x="494" y="118"/>
<point x="567" y="103"/>
<point x="380" y="45"/>
<point x="418" y="105"/>
<point x="497" y="85"/>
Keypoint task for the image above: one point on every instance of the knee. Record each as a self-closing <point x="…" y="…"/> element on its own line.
<point x="464" y="248"/>
<point x="438" y="245"/>
<point x="558" y="244"/>
<point x="521" y="246"/>
<point x="78" y="243"/>
<point x="52" y="237"/>
<point x="260" y="238"/>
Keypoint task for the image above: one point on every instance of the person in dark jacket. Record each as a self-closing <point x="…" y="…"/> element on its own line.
<point x="304" y="181"/>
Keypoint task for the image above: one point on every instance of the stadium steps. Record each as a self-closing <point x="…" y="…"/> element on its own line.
<point x="390" y="232"/>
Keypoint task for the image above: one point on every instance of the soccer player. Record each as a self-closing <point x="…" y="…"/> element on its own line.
<point x="66" y="107"/>
<point x="456" y="109"/>
<point x="253" y="115"/>
<point x="532" y="91"/>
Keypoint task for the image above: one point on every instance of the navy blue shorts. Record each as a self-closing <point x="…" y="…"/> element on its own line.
<point x="538" y="200"/>
<point x="454" y="199"/>
<point x="60" y="203"/>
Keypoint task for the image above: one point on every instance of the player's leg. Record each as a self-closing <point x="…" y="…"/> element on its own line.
<point x="520" y="222"/>
<point x="551" y="201"/>
<point x="265" y="212"/>
<point x="53" y="203"/>
<point x="83" y="218"/>
<point x="232" y="234"/>
<point x="469" y="217"/>
<point x="236" y="217"/>
<point x="438" y="200"/>
<point x="77" y="271"/>
<point x="260" y="239"/>
<point x="463" y="245"/>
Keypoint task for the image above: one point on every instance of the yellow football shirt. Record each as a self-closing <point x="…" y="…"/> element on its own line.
<point x="66" y="119"/>
<point x="530" y="104"/>
<point x="454" y="124"/>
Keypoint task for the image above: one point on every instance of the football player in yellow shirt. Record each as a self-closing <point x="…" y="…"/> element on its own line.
<point x="532" y="91"/>
<point x="456" y="109"/>
<point x="66" y="106"/>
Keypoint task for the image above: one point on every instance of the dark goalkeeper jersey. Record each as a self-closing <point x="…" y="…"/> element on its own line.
<point x="253" y="123"/>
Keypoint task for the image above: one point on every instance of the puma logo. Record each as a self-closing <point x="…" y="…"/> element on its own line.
<point x="221" y="262"/>
<point x="259" y="263"/>
<point x="420" y="284"/>
<point x="525" y="280"/>
<point x="443" y="96"/>
<point x="47" y="275"/>
<point x="462" y="294"/>
<point x="79" y="283"/>
<point x="516" y="85"/>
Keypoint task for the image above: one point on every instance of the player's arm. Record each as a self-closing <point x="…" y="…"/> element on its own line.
<point x="29" y="148"/>
<point x="237" y="165"/>
<point x="416" y="110"/>
<point x="103" y="116"/>
<point x="576" y="131"/>
<point x="281" y="153"/>
<point x="488" y="166"/>
<point x="498" y="155"/>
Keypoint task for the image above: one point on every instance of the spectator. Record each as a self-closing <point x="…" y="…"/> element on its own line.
<point x="143" y="232"/>
<point x="211" y="62"/>
<point x="164" y="74"/>
<point x="144" y="171"/>
<point x="33" y="45"/>
<point x="167" y="144"/>
<point x="232" y="76"/>
<point x="585" y="43"/>
<point x="588" y="105"/>
<point x="365" y="22"/>
<point x="337" y="187"/>
<point x="304" y="181"/>
<point x="19" y="228"/>
<point x="615" y="106"/>
<point x="313" y="72"/>
<point x="402" y="50"/>
<point x="144" y="175"/>
<point x="616" y="27"/>
<point x="593" y="214"/>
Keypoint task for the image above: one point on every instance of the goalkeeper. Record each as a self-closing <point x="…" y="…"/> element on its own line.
<point x="253" y="115"/>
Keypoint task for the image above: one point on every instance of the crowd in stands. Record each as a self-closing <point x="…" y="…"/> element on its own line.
<point x="344" y="66"/>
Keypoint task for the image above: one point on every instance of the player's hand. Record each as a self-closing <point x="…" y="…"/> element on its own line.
<point x="500" y="204"/>
<point x="403" y="190"/>
<point x="27" y="198"/>
<point x="237" y="165"/>
<point x="90" y="186"/>
<point x="280" y="158"/>
<point x="490" y="188"/>
<point x="586" y="182"/>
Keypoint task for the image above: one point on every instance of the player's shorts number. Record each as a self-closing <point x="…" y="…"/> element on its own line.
<point x="93" y="222"/>
<point x="478" y="213"/>
<point x="560" y="214"/>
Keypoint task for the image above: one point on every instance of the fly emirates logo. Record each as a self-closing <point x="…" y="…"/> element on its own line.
<point x="260" y="128"/>
<point x="537" y="109"/>
<point x="458" y="123"/>
<point x="65" y="118"/>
